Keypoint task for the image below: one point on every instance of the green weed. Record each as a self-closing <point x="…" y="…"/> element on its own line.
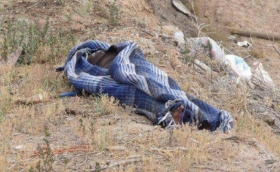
<point x="115" y="14"/>
<point x="61" y="2"/>
<point x="46" y="155"/>
<point x="97" y="167"/>
<point x="1" y="115"/>
<point x="34" y="40"/>
<point x="86" y="8"/>
<point x="104" y="105"/>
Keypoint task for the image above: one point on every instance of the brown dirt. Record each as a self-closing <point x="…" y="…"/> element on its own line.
<point x="83" y="136"/>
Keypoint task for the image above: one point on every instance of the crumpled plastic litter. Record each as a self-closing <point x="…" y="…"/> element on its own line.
<point x="261" y="77"/>
<point x="241" y="70"/>
<point x="244" y="44"/>
<point x="208" y="46"/>
<point x="239" y="67"/>
<point x="179" y="38"/>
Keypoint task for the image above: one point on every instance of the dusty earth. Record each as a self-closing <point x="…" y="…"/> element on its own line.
<point x="93" y="134"/>
<point x="252" y="15"/>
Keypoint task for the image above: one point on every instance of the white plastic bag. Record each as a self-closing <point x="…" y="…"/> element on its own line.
<point x="179" y="38"/>
<point x="261" y="78"/>
<point x="239" y="67"/>
<point x="208" y="46"/>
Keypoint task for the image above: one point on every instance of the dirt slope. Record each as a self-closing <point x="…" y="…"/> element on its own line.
<point x="256" y="16"/>
<point x="92" y="133"/>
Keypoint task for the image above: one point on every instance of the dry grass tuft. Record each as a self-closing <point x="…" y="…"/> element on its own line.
<point x="88" y="133"/>
<point x="256" y="54"/>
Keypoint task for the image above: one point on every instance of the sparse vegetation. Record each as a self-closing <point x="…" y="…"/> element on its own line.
<point x="34" y="41"/>
<point x="46" y="156"/>
<point x="115" y="14"/>
<point x="256" y="53"/>
<point x="87" y="133"/>
<point x="61" y="2"/>
<point x="215" y="33"/>
<point x="101" y="11"/>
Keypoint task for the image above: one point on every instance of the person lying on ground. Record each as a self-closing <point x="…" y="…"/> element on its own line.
<point x="122" y="71"/>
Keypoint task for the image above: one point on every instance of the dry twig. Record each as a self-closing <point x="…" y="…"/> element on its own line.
<point x="274" y="48"/>
<point x="255" y="34"/>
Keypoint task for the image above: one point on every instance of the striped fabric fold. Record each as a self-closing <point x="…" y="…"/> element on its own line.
<point x="136" y="82"/>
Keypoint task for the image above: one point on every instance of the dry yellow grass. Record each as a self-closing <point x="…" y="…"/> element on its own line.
<point x="86" y="131"/>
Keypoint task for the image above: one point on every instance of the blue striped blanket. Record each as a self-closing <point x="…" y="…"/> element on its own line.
<point x="134" y="81"/>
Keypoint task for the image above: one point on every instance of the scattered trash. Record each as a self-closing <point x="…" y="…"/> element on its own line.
<point x="179" y="39"/>
<point x="239" y="67"/>
<point x="18" y="147"/>
<point x="241" y="70"/>
<point x="181" y="7"/>
<point x="208" y="46"/>
<point x="244" y="44"/>
<point x="261" y="78"/>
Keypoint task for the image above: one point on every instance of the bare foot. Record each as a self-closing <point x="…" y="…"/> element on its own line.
<point x="177" y="113"/>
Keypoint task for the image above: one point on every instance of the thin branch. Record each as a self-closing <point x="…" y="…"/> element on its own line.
<point x="272" y="168"/>
<point x="84" y="161"/>
<point x="260" y="35"/>
<point x="258" y="144"/>
<point x="274" y="48"/>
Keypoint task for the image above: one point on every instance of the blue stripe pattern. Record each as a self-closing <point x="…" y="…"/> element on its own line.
<point x="136" y="82"/>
